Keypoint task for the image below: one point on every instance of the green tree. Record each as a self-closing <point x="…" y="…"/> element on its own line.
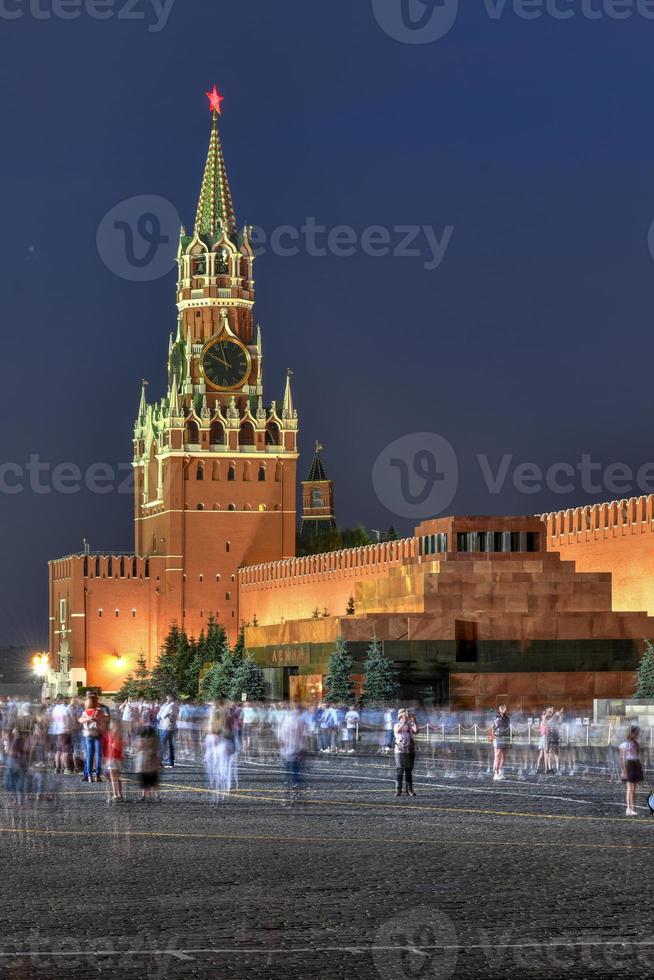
<point x="380" y="686"/>
<point x="338" y="680"/>
<point x="143" y="678"/>
<point x="645" y="688"/>
<point x="128" y="690"/>
<point x="208" y="650"/>
<point x="248" y="679"/>
<point x="165" y="674"/>
<point x="351" y="609"/>
<point x="219" y="679"/>
<point x="239" y="647"/>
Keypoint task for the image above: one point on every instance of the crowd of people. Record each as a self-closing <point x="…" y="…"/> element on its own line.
<point x="99" y="740"/>
<point x="549" y="750"/>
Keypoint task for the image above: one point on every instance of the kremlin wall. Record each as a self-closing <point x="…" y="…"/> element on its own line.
<point x="471" y="610"/>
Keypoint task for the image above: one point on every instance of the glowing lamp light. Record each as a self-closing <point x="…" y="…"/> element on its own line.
<point x="120" y="661"/>
<point x="40" y="664"/>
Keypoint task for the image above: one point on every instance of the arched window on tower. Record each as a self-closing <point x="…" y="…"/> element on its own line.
<point x="273" y="435"/>
<point x="192" y="433"/>
<point x="199" y="264"/>
<point x="217" y="433"/>
<point x="246" y="437"/>
<point x="262" y="474"/>
<point x="316" y="497"/>
<point x="231" y="473"/>
<point x="200" y="472"/>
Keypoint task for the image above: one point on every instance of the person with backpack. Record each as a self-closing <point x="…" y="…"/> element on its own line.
<point x="501" y="732"/>
<point x="93" y="722"/>
<point x="404" y="734"/>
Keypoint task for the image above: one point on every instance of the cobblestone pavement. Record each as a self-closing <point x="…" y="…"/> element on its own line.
<point x="470" y="879"/>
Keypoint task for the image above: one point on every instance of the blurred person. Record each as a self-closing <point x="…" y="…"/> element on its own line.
<point x="632" y="769"/>
<point x="128" y="715"/>
<point x="17" y="760"/>
<point x="93" y="722"/>
<point x="554" y="742"/>
<point x="115" y="756"/>
<point x="404" y="736"/>
<point x="185" y="729"/>
<point x="544" y="731"/>
<point x="389" y="725"/>
<point x="147" y="760"/>
<point x="62" y="722"/>
<point x="501" y="730"/>
<point x="167" y="723"/>
<point x="352" y="719"/>
<point x="292" y="734"/>
<point x="220" y="750"/>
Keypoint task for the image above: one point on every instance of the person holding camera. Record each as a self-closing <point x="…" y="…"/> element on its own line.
<point x="404" y="733"/>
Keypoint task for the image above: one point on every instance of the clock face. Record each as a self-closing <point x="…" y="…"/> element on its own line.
<point x="225" y="364"/>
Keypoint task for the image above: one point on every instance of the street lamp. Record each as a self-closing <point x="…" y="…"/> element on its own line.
<point x="40" y="664"/>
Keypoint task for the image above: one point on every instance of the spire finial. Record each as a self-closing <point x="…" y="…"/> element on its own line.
<point x="215" y="102"/>
<point x="288" y="408"/>
<point x="215" y="214"/>
<point x="319" y="447"/>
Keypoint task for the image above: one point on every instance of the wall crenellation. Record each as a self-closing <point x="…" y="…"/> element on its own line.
<point x="634" y="512"/>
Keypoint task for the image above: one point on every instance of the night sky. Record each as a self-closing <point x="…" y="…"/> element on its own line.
<point x="534" y="139"/>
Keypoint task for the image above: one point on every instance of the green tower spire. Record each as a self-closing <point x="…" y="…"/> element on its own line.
<point x="215" y="213"/>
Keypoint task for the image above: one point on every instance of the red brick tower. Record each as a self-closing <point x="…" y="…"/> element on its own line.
<point x="317" y="501"/>
<point x="215" y="467"/>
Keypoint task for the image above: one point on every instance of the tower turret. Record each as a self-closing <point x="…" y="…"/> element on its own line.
<point x="317" y="501"/>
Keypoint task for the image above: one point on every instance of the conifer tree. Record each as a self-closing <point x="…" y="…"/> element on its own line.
<point x="239" y="647"/>
<point x="645" y="688"/>
<point x="248" y="680"/>
<point x="208" y="650"/>
<point x="142" y="679"/>
<point x="165" y="677"/>
<point x="380" y="686"/>
<point x="338" y="681"/>
<point x="219" y="679"/>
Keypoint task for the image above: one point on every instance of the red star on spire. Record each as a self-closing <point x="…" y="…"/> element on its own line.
<point x="215" y="101"/>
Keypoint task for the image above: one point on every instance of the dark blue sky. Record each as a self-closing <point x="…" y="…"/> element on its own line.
<point x="534" y="139"/>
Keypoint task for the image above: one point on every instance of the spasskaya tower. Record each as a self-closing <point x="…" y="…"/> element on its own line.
<point x="215" y="464"/>
<point x="214" y="469"/>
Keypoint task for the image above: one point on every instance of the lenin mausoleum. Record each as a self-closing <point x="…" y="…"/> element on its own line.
<point x="531" y="610"/>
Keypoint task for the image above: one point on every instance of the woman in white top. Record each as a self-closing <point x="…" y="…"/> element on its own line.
<point x="632" y="770"/>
